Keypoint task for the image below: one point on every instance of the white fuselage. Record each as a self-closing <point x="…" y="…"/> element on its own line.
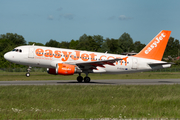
<point x="48" y="57"/>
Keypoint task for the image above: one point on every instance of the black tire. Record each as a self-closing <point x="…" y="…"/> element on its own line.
<point x="79" y="79"/>
<point x="27" y="74"/>
<point x="87" y="79"/>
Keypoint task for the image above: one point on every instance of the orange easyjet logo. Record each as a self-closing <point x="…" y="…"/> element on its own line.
<point x="64" y="55"/>
<point x="155" y="43"/>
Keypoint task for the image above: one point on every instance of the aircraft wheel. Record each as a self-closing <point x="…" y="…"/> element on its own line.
<point x="87" y="79"/>
<point x="79" y="78"/>
<point x="27" y="74"/>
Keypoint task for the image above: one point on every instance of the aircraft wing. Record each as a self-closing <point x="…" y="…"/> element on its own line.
<point x="89" y="65"/>
<point x="94" y="64"/>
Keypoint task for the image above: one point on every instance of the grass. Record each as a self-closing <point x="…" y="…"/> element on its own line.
<point x="68" y="101"/>
<point x="110" y="101"/>
<point x="20" y="76"/>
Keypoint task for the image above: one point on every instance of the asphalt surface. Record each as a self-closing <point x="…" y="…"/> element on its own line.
<point x="96" y="82"/>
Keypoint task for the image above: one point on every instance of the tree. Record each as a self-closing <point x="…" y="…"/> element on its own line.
<point x="14" y="38"/>
<point x="138" y="46"/>
<point x="8" y="42"/>
<point x="113" y="46"/>
<point x="83" y="43"/>
<point x="52" y="43"/>
<point x="104" y="47"/>
<point x="5" y="46"/>
<point x="172" y="48"/>
<point x="73" y="44"/>
<point x="98" y="42"/>
<point x="64" y="44"/>
<point x="125" y="42"/>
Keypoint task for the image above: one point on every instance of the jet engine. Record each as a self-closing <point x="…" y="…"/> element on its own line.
<point x="64" y="69"/>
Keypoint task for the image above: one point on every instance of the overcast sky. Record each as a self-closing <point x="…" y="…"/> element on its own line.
<point x="64" y="20"/>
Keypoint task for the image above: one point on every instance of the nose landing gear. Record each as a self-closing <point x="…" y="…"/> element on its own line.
<point x="28" y="73"/>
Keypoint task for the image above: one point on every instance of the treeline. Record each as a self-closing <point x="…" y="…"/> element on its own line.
<point x="99" y="44"/>
<point x="96" y="43"/>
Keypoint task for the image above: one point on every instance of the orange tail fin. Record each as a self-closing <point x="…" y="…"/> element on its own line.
<point x="155" y="49"/>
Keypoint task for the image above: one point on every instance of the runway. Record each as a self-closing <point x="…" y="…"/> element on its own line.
<point x="96" y="82"/>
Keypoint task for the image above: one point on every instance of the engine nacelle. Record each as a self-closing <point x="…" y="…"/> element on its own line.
<point x="63" y="69"/>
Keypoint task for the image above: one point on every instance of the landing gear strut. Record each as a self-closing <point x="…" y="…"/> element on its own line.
<point x="28" y="73"/>
<point x="86" y="79"/>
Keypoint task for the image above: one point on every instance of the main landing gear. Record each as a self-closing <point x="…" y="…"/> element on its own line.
<point x="86" y="79"/>
<point x="28" y="73"/>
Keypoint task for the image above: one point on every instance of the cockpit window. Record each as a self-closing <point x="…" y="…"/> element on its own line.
<point x="17" y="50"/>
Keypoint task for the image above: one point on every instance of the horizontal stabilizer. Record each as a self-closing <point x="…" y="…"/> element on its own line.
<point x="158" y="64"/>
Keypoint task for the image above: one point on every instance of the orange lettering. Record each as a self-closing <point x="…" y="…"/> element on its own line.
<point x="110" y="57"/>
<point x="77" y="55"/>
<point x="48" y="53"/>
<point x="66" y="55"/>
<point x="102" y="56"/>
<point x="57" y="54"/>
<point x="39" y="52"/>
<point x="85" y="57"/>
<point x="93" y="56"/>
<point x="125" y="59"/>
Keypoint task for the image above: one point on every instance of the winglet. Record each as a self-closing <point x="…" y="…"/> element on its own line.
<point x="155" y="49"/>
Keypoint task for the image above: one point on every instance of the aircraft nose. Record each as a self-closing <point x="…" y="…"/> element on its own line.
<point x="7" y="56"/>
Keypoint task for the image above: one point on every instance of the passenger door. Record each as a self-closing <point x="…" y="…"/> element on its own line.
<point x="31" y="52"/>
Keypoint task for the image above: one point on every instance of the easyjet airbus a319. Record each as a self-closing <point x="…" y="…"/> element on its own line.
<point x="59" y="61"/>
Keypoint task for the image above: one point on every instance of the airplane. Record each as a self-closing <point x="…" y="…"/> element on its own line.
<point x="60" y="61"/>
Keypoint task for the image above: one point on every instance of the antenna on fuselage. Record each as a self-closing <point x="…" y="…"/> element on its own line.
<point x="106" y="52"/>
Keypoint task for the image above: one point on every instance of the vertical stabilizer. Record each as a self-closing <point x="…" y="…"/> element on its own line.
<point x="155" y="49"/>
